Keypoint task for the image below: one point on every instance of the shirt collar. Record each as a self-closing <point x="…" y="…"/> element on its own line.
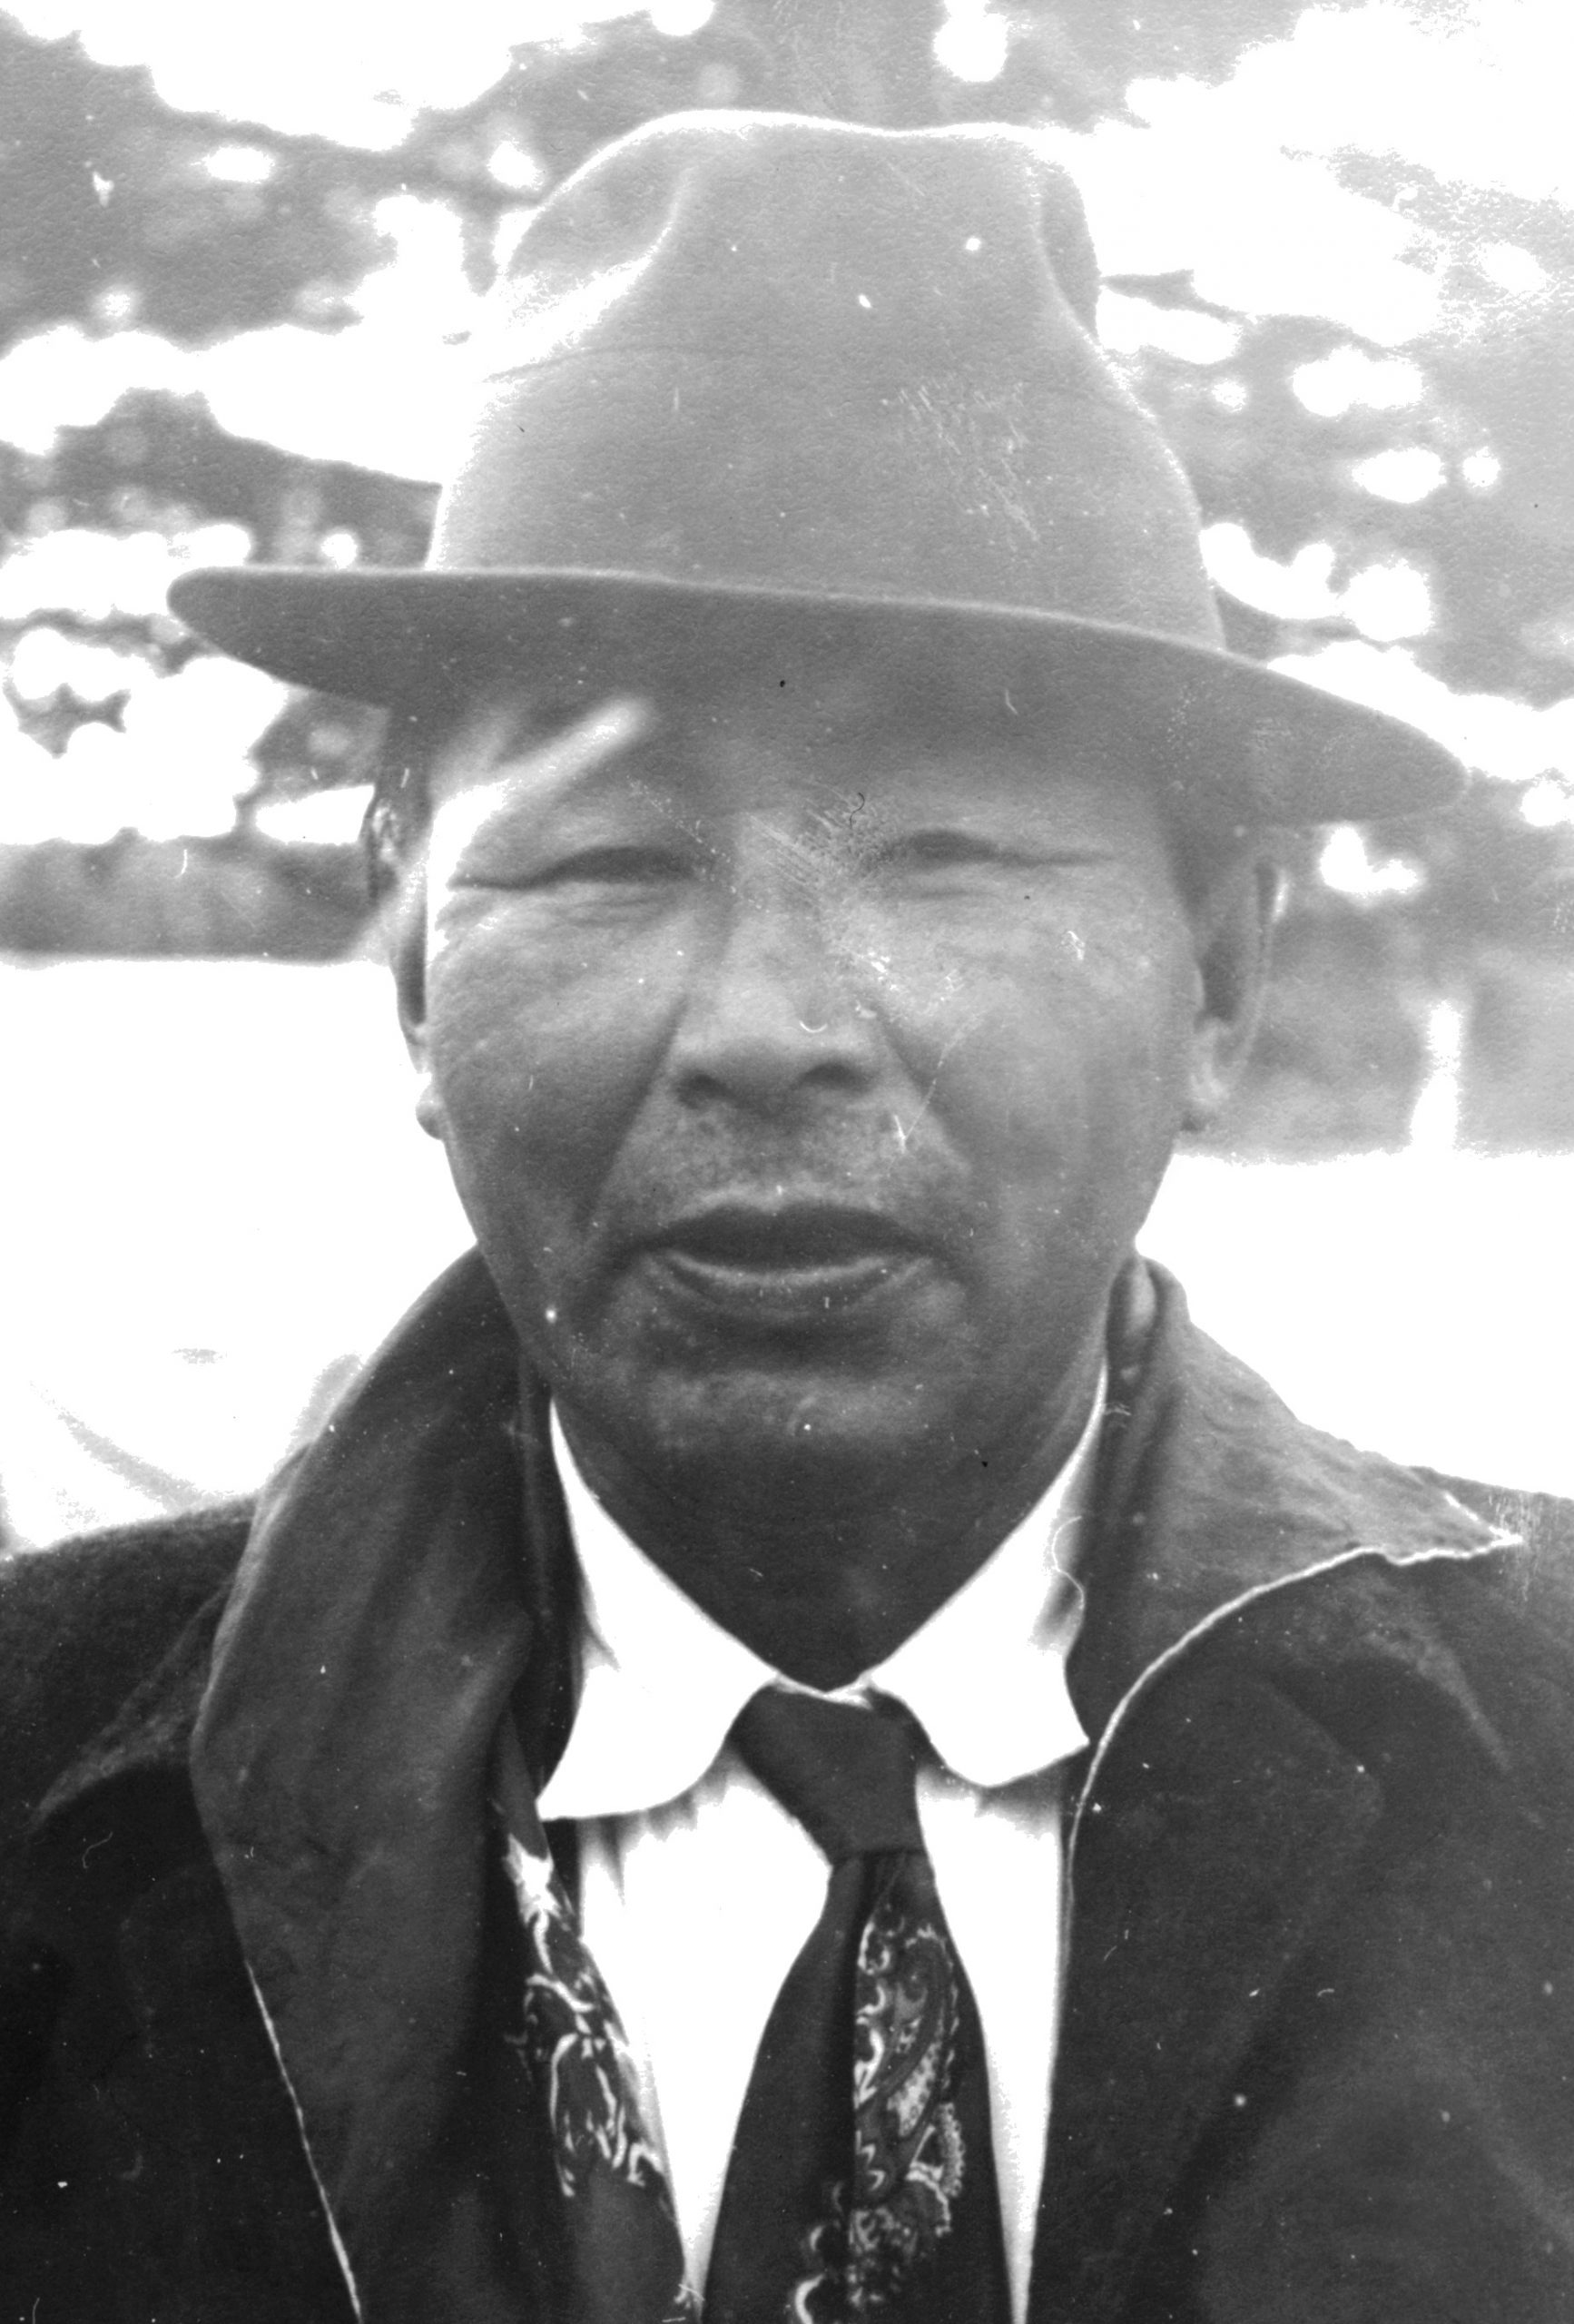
<point x="663" y="1683"/>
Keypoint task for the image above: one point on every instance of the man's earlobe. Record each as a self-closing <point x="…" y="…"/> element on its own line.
<point x="404" y="927"/>
<point x="1235" y="931"/>
<point x="428" y="1113"/>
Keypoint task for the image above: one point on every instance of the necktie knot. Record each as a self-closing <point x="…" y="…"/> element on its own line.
<point x="849" y="1774"/>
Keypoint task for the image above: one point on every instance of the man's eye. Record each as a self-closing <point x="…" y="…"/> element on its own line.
<point x="927" y="847"/>
<point x="938" y="852"/>
<point x="622" y="868"/>
<point x="941" y="850"/>
<point x="613" y="867"/>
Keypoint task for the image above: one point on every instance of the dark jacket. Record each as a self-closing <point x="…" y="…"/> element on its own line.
<point x="1316" y="2063"/>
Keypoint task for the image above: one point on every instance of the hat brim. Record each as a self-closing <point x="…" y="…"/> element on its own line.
<point x="1230" y="733"/>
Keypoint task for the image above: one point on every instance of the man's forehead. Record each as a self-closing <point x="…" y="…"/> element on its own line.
<point x="891" y="703"/>
<point x="828" y="686"/>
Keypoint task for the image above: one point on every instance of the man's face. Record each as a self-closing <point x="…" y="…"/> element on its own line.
<point x="806" y="1063"/>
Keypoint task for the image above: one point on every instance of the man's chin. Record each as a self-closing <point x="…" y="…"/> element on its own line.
<point x="771" y="1442"/>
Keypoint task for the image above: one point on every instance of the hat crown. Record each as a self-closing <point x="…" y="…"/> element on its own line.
<point x="757" y="384"/>
<point x="750" y="351"/>
<point x="975" y="216"/>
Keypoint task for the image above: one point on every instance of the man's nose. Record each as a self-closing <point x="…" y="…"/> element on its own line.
<point x="775" y="1013"/>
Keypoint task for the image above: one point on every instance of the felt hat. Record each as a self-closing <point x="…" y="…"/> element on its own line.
<point x="754" y="385"/>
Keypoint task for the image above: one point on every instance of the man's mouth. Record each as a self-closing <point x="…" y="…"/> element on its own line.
<point x="772" y="1265"/>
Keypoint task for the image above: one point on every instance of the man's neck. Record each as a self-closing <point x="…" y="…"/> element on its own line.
<point x="823" y="1593"/>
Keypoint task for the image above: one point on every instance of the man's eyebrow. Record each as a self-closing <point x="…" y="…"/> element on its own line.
<point x="565" y="751"/>
<point x="549" y="762"/>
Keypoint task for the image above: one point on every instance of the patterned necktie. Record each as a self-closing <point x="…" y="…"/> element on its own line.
<point x="862" y="2184"/>
<point x="606" y="2250"/>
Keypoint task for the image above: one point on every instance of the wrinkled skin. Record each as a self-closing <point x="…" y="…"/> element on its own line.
<point x="806" y="1069"/>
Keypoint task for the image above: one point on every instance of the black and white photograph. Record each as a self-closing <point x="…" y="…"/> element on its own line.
<point x="787" y="1206"/>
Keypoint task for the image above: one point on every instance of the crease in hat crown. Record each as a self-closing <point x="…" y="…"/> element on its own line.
<point x="750" y="366"/>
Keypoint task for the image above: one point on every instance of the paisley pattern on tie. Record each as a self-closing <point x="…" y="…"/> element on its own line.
<point x="909" y="2156"/>
<point x="572" y="2040"/>
<point x="873" y="2202"/>
<point x="618" y="2210"/>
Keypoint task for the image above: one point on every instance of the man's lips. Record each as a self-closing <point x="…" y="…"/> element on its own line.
<point x="792" y="1263"/>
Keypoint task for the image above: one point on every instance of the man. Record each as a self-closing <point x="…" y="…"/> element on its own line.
<point x="800" y="1745"/>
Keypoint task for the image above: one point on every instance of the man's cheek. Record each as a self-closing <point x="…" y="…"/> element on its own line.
<point x="537" y="1085"/>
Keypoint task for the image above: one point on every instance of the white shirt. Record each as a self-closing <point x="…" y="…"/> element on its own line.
<point x="697" y="1888"/>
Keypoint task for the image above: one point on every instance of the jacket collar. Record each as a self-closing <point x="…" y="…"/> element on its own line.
<point x="1212" y="1494"/>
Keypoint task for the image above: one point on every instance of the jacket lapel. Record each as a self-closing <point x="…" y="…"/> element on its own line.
<point x="408" y="1584"/>
<point x="1223" y="1835"/>
<point x="392" y="1598"/>
<point x="1246" y="1598"/>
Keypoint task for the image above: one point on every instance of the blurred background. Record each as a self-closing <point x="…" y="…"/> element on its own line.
<point x="240" y="255"/>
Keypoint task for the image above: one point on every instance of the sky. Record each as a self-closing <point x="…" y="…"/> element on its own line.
<point x="1477" y="94"/>
<point x="1476" y="91"/>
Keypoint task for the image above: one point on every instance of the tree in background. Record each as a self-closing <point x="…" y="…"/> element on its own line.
<point x="1339" y="255"/>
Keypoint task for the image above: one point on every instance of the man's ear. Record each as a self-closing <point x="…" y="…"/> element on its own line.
<point x="405" y="940"/>
<point x="1233" y="929"/>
